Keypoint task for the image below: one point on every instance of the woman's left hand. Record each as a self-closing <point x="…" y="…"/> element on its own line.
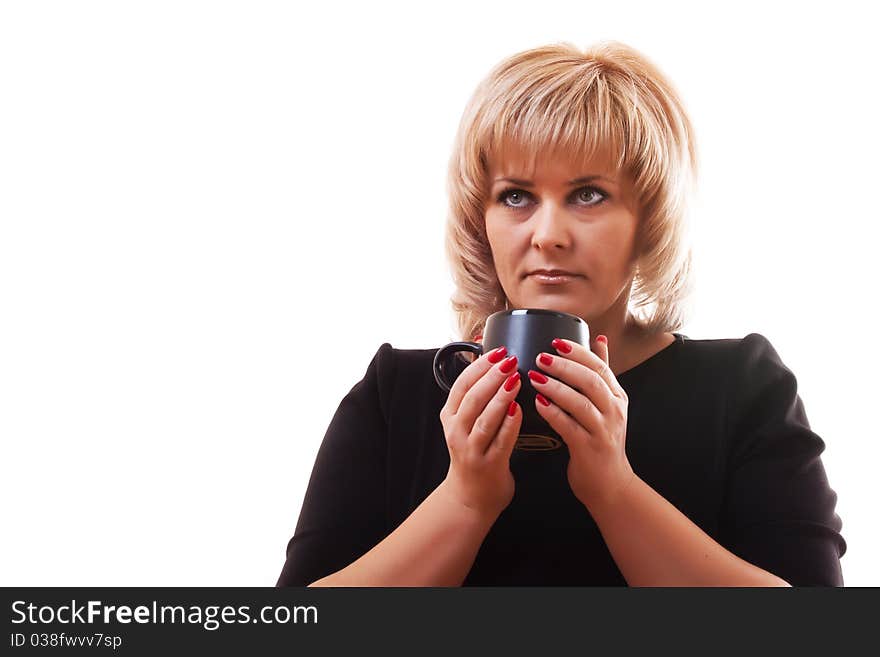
<point x="588" y="409"/>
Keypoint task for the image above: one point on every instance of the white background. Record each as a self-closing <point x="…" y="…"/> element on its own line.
<point x="213" y="213"/>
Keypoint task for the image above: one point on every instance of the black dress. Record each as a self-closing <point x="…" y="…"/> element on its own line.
<point x="714" y="426"/>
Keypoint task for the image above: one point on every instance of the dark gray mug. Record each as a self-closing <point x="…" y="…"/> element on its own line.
<point x="526" y="333"/>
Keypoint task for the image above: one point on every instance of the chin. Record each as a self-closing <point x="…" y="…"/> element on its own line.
<point x="559" y="305"/>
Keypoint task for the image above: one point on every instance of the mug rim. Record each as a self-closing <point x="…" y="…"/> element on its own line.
<point x="537" y="311"/>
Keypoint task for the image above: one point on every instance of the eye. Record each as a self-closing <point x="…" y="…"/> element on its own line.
<point x="590" y="197"/>
<point x="511" y="193"/>
<point x="591" y="192"/>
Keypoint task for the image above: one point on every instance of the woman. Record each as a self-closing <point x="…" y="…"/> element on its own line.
<point x="689" y="462"/>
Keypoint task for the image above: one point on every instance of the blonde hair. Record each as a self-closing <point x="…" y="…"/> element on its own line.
<point x="609" y="101"/>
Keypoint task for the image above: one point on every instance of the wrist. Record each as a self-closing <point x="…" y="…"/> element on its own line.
<point x="616" y="502"/>
<point x="481" y="516"/>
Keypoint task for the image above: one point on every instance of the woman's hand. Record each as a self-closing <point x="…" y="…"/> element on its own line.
<point x="480" y="433"/>
<point x="588" y="409"/>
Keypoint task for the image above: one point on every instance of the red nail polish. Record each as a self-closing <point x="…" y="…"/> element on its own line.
<point x="602" y="339"/>
<point x="511" y="410"/>
<point x="497" y="355"/>
<point x="561" y="346"/>
<point x="508" y="365"/>
<point x="545" y="359"/>
<point x="537" y="377"/>
<point x="542" y="399"/>
<point x="510" y="384"/>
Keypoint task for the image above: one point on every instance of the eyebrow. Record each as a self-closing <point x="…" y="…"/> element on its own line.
<point x="576" y="181"/>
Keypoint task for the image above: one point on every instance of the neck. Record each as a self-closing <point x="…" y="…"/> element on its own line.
<point x="625" y="340"/>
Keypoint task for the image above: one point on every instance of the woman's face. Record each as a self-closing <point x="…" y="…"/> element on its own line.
<point x="544" y="221"/>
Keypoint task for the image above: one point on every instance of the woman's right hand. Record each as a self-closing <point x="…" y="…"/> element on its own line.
<point x="480" y="434"/>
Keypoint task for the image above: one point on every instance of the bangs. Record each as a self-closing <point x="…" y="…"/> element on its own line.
<point x="579" y="124"/>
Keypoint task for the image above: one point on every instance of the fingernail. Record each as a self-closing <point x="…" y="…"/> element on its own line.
<point x="602" y="339"/>
<point x="479" y="337"/>
<point x="510" y="384"/>
<point x="561" y="346"/>
<point x="511" y="410"/>
<point x="497" y="355"/>
<point x="545" y="359"/>
<point x="542" y="399"/>
<point x="537" y="377"/>
<point x="508" y="365"/>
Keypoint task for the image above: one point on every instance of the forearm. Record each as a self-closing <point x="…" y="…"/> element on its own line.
<point x="654" y="544"/>
<point x="435" y="546"/>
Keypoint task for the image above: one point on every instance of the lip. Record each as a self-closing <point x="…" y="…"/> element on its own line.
<point x="554" y="279"/>
<point x="553" y="272"/>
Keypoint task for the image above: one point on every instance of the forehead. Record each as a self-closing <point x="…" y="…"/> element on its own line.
<point x="514" y="161"/>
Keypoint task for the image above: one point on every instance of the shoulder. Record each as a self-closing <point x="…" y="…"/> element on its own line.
<point x="757" y="355"/>
<point x="763" y="403"/>
<point x="756" y="393"/>
<point x="391" y="362"/>
<point x="403" y="375"/>
<point x="733" y="369"/>
<point x="394" y="379"/>
<point x="732" y="355"/>
<point x="748" y="361"/>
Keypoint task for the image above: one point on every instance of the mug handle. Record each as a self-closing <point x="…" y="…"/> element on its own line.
<point x="442" y="356"/>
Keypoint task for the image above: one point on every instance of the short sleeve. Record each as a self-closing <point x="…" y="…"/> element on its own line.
<point x="343" y="514"/>
<point x="779" y="510"/>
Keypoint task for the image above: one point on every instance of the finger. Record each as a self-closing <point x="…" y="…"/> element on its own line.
<point x="578" y="406"/>
<point x="576" y="352"/>
<point x="601" y="349"/>
<point x="487" y="425"/>
<point x="574" y="435"/>
<point x="481" y="393"/>
<point x="580" y="378"/>
<point x="469" y="377"/>
<point x="505" y="441"/>
<point x="604" y="353"/>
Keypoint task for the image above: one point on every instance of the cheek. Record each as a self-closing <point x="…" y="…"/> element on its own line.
<point x="501" y="244"/>
<point x="495" y="224"/>
<point x="612" y="247"/>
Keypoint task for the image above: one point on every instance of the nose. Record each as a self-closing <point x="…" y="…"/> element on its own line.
<point x="550" y="227"/>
